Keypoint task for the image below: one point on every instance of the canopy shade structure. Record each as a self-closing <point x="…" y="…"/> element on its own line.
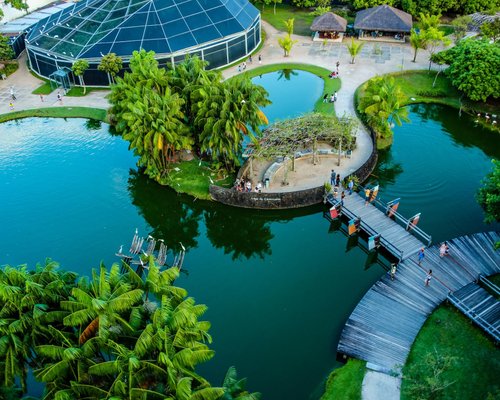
<point x="329" y="22"/>
<point x="218" y="31"/>
<point x="383" y="18"/>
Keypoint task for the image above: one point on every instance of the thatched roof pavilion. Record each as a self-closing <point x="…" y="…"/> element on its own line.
<point x="329" y="22"/>
<point x="383" y="18"/>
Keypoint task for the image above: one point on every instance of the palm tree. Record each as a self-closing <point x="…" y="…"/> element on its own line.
<point x="354" y="48"/>
<point x="102" y="306"/>
<point x="289" y="26"/>
<point x="383" y="102"/>
<point x="224" y="113"/>
<point x="286" y="43"/>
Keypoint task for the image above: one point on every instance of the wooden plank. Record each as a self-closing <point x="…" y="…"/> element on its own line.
<point x="384" y="324"/>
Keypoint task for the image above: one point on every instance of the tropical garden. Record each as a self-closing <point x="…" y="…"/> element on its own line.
<point x="115" y="335"/>
<point x="166" y="114"/>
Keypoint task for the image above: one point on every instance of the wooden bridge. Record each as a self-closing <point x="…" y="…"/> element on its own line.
<point x="384" y="324"/>
<point x="399" y="241"/>
<point x="480" y="306"/>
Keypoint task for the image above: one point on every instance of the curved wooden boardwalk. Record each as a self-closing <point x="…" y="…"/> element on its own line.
<point x="384" y="324"/>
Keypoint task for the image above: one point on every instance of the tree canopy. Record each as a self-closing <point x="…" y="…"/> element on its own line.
<point x="104" y="337"/>
<point x="488" y="196"/>
<point x="6" y="52"/>
<point x="382" y="102"/>
<point x="472" y="68"/>
<point x="163" y="112"/>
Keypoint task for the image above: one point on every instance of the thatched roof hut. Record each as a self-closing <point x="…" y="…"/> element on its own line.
<point x="383" y="18"/>
<point x="329" y="22"/>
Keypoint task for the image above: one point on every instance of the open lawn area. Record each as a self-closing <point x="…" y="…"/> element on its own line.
<point x="58" y="112"/>
<point x="303" y="18"/>
<point x="194" y="178"/>
<point x="474" y="360"/>
<point x="331" y="85"/>
<point x="345" y="383"/>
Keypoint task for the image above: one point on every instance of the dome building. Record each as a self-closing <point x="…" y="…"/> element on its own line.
<point x="218" y="31"/>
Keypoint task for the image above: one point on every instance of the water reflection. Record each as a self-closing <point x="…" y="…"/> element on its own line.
<point x="387" y="169"/>
<point x="286" y="74"/>
<point x="177" y="219"/>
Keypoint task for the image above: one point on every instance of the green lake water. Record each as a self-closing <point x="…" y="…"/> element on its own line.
<point x="279" y="285"/>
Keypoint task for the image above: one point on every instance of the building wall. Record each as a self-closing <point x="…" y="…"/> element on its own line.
<point x="218" y="54"/>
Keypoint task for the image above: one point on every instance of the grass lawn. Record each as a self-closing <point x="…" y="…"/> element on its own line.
<point x="194" y="179"/>
<point x="58" y="112"/>
<point x="476" y="368"/>
<point x="331" y="85"/>
<point x="43" y="89"/>
<point x="345" y="383"/>
<point x="303" y="18"/>
<point x="77" y="91"/>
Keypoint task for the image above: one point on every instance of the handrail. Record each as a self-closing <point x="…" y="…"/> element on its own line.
<point x="368" y="229"/>
<point x="476" y="318"/>
<point x="489" y="284"/>
<point x="399" y="218"/>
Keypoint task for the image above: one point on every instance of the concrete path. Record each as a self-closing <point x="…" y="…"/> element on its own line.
<point x="379" y="386"/>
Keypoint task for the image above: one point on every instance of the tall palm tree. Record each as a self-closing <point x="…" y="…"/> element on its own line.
<point x="101" y="307"/>
<point x="224" y="113"/>
<point x="417" y="41"/>
<point x="354" y="48"/>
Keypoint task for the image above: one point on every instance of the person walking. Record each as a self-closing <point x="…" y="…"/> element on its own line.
<point x="428" y="278"/>
<point x="325" y="98"/>
<point x="442" y="250"/>
<point x="367" y="196"/>
<point x="421" y="256"/>
<point x="335" y="97"/>
<point x="393" y="270"/>
<point x="350" y="186"/>
<point x="337" y="180"/>
<point x="260" y="58"/>
<point x="250" y="59"/>
<point x="59" y="97"/>
<point x="12" y="93"/>
<point x="41" y="98"/>
<point x="11" y="106"/>
<point x="338" y="65"/>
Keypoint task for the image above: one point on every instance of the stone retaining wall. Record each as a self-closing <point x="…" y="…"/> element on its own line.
<point x="267" y="201"/>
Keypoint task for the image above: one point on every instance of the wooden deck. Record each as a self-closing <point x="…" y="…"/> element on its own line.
<point x="480" y="306"/>
<point x="394" y="237"/>
<point x="384" y="324"/>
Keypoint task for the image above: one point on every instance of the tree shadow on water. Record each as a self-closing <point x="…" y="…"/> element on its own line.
<point x="240" y="233"/>
<point x="387" y="170"/>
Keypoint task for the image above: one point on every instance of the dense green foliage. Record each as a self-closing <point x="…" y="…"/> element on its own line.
<point x="304" y="3"/>
<point x="488" y="195"/>
<point x="451" y="359"/>
<point x="344" y="383"/>
<point x="163" y="112"/>
<point x="382" y="104"/>
<point x="111" y="64"/>
<point x="472" y="68"/>
<point x="491" y="30"/>
<point x="6" y="52"/>
<point x="115" y="336"/>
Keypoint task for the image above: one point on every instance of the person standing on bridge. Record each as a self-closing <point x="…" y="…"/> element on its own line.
<point x="350" y="186"/>
<point x="428" y="278"/>
<point x="421" y="256"/>
<point x="367" y="196"/>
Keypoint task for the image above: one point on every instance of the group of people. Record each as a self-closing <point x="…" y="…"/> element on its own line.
<point x="332" y="98"/>
<point x="245" y="185"/>
<point x="370" y="195"/>
<point x="243" y="66"/>
<point x="444" y="250"/>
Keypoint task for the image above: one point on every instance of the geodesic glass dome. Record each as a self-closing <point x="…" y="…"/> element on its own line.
<point x="219" y="31"/>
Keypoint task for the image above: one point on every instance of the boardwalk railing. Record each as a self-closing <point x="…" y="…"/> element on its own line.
<point x="401" y="220"/>
<point x="489" y="284"/>
<point x="483" y="323"/>
<point x="372" y="232"/>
